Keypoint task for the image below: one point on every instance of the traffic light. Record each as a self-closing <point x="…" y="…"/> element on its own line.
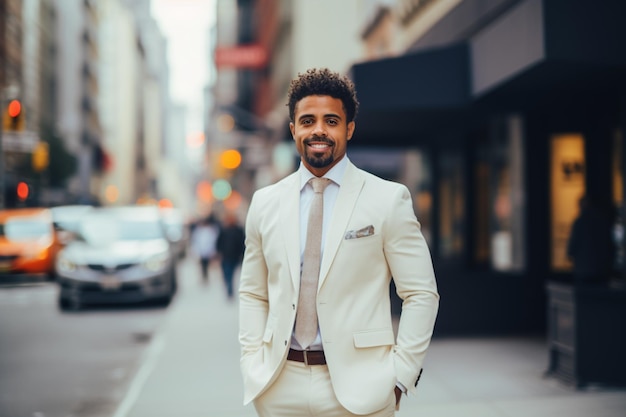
<point x="40" y="158"/>
<point x="22" y="191"/>
<point x="14" y="116"/>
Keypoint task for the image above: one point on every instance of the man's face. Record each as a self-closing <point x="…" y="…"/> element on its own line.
<point x="321" y="132"/>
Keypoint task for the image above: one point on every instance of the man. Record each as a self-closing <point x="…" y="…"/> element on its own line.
<point x="230" y="246"/>
<point x="351" y="365"/>
<point x="203" y="243"/>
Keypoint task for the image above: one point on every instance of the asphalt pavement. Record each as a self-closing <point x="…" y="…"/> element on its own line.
<point x="191" y="369"/>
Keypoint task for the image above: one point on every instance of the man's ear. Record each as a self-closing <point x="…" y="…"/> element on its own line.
<point x="292" y="129"/>
<point x="351" y="127"/>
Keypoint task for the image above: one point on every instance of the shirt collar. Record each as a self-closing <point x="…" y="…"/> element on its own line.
<point x="335" y="174"/>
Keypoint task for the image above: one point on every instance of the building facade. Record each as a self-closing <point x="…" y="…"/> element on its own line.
<point x="518" y="110"/>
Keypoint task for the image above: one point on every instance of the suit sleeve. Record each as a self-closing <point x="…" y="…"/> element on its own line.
<point x="411" y="267"/>
<point x="253" y="294"/>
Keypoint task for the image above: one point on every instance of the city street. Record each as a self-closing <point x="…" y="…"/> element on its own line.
<point x="131" y="129"/>
<point x="183" y="361"/>
<point x="77" y="364"/>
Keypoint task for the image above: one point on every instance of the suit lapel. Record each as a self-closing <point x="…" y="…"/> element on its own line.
<point x="349" y="191"/>
<point x="290" y="224"/>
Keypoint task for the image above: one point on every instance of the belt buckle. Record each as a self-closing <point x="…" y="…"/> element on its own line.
<point x="306" y="358"/>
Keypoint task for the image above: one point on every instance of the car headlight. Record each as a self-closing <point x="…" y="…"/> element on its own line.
<point x="156" y="263"/>
<point x="65" y="265"/>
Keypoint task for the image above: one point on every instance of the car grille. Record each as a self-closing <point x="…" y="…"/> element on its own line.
<point x="109" y="268"/>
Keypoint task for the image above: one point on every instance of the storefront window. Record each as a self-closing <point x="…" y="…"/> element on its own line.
<point x="452" y="203"/>
<point x="418" y="178"/>
<point x="507" y="195"/>
<point x="567" y="180"/>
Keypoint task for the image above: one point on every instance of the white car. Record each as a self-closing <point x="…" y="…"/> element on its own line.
<point x="120" y="255"/>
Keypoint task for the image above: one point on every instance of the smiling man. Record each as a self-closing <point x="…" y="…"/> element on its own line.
<point x="322" y="246"/>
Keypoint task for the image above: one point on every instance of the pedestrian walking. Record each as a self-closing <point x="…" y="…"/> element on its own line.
<point x="230" y="246"/>
<point x="322" y="246"/>
<point x="591" y="246"/>
<point x="204" y="243"/>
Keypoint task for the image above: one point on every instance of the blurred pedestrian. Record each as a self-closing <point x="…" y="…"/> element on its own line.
<point x="204" y="243"/>
<point x="315" y="315"/>
<point x="591" y="244"/>
<point x="230" y="246"/>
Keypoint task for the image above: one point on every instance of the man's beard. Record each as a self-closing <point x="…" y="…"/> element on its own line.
<point x="318" y="161"/>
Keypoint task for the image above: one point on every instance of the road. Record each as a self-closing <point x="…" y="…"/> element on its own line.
<point x="183" y="361"/>
<point x="55" y="364"/>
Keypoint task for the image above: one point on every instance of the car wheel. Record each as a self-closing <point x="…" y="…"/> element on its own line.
<point x="165" y="301"/>
<point x="71" y="304"/>
<point x="174" y="281"/>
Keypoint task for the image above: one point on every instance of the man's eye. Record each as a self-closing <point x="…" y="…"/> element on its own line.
<point x="332" y="122"/>
<point x="306" y="121"/>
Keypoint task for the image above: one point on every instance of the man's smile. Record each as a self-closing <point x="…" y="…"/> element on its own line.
<point x="318" y="144"/>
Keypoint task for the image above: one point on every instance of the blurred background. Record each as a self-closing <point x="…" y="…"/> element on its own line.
<point x="498" y="115"/>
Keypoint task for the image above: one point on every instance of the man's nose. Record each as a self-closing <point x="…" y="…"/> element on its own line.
<point x="319" y="129"/>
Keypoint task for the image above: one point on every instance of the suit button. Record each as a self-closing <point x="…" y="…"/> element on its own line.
<point x="293" y="306"/>
<point x="285" y="343"/>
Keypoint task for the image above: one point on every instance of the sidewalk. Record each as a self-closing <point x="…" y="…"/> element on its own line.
<point x="191" y="369"/>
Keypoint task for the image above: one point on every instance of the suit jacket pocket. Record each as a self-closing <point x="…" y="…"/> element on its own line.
<point x="372" y="338"/>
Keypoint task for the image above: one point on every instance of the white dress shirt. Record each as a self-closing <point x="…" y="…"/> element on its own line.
<point x="335" y="174"/>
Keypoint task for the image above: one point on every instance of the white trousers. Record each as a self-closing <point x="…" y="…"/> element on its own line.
<point x="306" y="391"/>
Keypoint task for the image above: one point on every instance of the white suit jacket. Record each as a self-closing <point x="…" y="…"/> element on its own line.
<point x="354" y="310"/>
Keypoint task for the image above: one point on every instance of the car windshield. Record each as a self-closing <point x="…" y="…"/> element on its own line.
<point x="102" y="229"/>
<point x="68" y="217"/>
<point x="25" y="229"/>
<point x="70" y="226"/>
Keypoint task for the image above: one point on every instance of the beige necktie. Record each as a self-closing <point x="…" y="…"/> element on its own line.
<point x="306" y="317"/>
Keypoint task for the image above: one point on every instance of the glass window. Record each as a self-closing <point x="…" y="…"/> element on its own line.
<point x="416" y="175"/>
<point x="506" y="195"/>
<point x="452" y="204"/>
<point x="567" y="181"/>
<point x="24" y="228"/>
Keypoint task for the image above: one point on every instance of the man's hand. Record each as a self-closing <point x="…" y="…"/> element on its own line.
<point x="398" y="392"/>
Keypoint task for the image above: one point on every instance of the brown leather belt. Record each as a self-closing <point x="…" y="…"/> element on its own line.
<point x="309" y="357"/>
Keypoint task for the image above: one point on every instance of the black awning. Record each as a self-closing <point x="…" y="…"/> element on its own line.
<point x="551" y="55"/>
<point x="403" y="98"/>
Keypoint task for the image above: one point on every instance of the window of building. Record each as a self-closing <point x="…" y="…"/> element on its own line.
<point x="452" y="204"/>
<point x="506" y="194"/>
<point x="498" y="232"/>
<point x="567" y="187"/>
<point x="417" y="176"/>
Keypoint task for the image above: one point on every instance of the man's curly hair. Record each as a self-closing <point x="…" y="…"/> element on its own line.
<point x="323" y="82"/>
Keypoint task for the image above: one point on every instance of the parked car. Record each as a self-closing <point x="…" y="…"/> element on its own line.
<point x="28" y="242"/>
<point x="120" y="255"/>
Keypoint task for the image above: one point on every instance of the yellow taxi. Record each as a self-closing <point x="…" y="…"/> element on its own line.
<point x="28" y="242"/>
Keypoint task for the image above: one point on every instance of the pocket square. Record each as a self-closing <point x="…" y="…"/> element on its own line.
<point x="355" y="234"/>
